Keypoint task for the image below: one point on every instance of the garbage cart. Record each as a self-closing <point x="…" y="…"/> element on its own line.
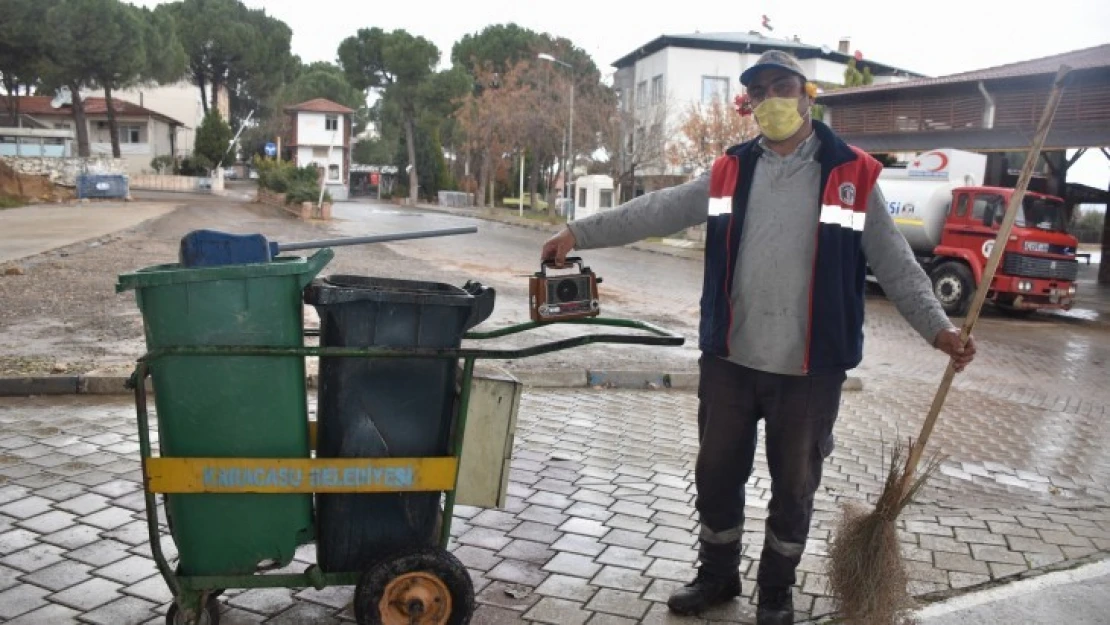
<point x="384" y="471"/>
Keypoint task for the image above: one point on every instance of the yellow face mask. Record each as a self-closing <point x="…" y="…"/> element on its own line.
<point x="778" y="118"/>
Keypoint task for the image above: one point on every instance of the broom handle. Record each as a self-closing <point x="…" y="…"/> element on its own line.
<point x="988" y="273"/>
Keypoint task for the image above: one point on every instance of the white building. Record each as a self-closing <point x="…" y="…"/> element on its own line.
<point x="180" y="101"/>
<point x="680" y="70"/>
<point x="321" y="136"/>
<point x="143" y="134"/>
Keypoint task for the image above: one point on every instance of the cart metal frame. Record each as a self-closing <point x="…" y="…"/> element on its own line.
<point x="187" y="475"/>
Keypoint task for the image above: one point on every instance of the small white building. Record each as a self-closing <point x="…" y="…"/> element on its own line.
<point x="593" y="195"/>
<point x="321" y="135"/>
<point x="181" y="101"/>
<point x="143" y="134"/>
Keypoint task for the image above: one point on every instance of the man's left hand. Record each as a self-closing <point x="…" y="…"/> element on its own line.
<point x="948" y="341"/>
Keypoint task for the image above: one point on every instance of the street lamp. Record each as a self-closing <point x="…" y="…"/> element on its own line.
<point x="569" y="172"/>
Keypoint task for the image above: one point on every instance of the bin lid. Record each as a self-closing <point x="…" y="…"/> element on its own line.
<point x="342" y="289"/>
<point x="175" y="273"/>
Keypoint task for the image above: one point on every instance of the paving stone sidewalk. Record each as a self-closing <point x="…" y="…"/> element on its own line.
<point x="599" y="527"/>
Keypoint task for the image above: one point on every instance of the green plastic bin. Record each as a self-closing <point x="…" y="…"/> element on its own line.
<point x="230" y="407"/>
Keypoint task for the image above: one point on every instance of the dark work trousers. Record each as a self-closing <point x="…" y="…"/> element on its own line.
<point x="799" y="413"/>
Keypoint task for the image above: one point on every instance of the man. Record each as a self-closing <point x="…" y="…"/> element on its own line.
<point x="793" y="219"/>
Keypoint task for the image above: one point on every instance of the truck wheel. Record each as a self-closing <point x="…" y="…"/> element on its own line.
<point x="424" y="587"/>
<point x="953" y="286"/>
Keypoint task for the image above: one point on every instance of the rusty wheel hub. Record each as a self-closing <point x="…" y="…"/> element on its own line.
<point x="415" y="599"/>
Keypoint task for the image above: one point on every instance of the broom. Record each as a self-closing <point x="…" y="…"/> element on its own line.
<point x="867" y="576"/>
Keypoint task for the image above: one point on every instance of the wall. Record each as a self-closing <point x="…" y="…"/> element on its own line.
<point x="310" y="130"/>
<point x="158" y="182"/>
<point x="823" y="70"/>
<point x="64" y="171"/>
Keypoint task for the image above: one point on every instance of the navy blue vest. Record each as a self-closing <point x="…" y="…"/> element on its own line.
<point x="834" y="339"/>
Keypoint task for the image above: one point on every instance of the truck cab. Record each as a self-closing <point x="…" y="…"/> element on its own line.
<point x="1038" y="268"/>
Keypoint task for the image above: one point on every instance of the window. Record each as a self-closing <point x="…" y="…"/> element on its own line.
<point x="620" y="99"/>
<point x="961" y="208"/>
<point x="982" y="202"/>
<point x="713" y="88"/>
<point x="333" y="172"/>
<point x="606" y="199"/>
<point x="641" y="93"/>
<point x="321" y="153"/>
<point x="61" y="126"/>
<point x="331" y="122"/>
<point x="582" y="197"/>
<point x="657" y="89"/>
<point x="129" y="134"/>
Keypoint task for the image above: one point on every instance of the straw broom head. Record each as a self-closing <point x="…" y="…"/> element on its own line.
<point x="867" y="575"/>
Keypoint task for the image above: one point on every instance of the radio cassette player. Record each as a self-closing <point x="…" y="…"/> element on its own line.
<point x="561" y="297"/>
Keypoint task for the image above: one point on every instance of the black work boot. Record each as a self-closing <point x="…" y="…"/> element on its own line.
<point x="776" y="606"/>
<point x="707" y="590"/>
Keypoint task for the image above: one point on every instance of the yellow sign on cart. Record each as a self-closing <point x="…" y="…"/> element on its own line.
<point x="300" y="475"/>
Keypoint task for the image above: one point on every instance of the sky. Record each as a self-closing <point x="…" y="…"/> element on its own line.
<point x="935" y="38"/>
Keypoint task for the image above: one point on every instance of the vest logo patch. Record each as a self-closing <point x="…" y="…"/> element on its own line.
<point x="848" y="193"/>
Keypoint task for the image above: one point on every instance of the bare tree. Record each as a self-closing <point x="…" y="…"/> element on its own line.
<point x="636" y="139"/>
<point x="705" y="132"/>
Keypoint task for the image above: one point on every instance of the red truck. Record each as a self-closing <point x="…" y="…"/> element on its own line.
<point x="951" y="223"/>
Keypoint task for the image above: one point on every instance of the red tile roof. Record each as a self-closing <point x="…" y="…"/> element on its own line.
<point x="320" y="105"/>
<point x="1087" y="58"/>
<point x="39" y="105"/>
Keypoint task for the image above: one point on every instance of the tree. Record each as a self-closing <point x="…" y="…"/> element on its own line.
<point x="23" y="44"/>
<point x="853" y="77"/>
<point x="213" y="138"/>
<point x="398" y="64"/>
<point x="502" y="49"/>
<point x="233" y="47"/>
<point x="497" y="47"/>
<point x="707" y="130"/>
<point x="120" y="56"/>
<point x="166" y="62"/>
<point x="77" y="44"/>
<point x="269" y="66"/>
<point x="634" y="138"/>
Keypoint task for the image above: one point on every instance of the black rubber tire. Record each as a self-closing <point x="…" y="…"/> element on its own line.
<point x="442" y="564"/>
<point x="953" y="286"/>
<point x="211" y="611"/>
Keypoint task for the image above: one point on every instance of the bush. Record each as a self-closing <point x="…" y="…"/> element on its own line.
<point x="283" y="176"/>
<point x="162" y="164"/>
<point x="305" y="193"/>
<point x="195" y="165"/>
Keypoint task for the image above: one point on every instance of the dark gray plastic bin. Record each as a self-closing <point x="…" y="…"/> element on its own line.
<point x="386" y="407"/>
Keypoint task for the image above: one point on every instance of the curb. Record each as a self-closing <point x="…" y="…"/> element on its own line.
<point x="554" y="378"/>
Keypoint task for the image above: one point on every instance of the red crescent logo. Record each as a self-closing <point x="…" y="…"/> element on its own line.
<point x="943" y="160"/>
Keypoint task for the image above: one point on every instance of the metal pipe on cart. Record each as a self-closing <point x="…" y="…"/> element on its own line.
<point x="377" y="238"/>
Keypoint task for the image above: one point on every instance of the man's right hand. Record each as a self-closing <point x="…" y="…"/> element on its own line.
<point x="557" y="247"/>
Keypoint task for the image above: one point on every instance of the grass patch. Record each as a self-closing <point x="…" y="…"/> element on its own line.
<point x="7" y="201"/>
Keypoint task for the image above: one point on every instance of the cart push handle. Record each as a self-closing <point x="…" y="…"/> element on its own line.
<point x="653" y="335"/>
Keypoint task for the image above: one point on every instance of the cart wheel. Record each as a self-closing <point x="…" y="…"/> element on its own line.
<point x="210" y="615"/>
<point x="425" y="587"/>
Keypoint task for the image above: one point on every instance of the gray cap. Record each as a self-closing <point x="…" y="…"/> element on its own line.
<point x="769" y="59"/>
